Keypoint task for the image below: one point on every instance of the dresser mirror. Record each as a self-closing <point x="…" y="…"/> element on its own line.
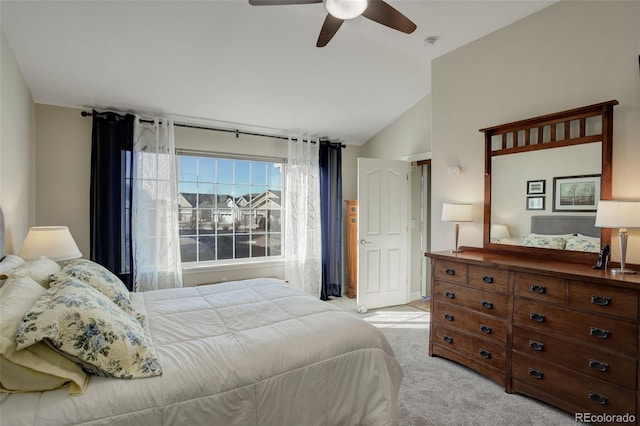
<point x="543" y="178"/>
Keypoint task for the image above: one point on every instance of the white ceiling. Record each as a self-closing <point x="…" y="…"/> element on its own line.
<point x="241" y="66"/>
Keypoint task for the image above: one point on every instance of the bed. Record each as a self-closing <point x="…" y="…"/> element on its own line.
<point x="564" y="232"/>
<point x="239" y="353"/>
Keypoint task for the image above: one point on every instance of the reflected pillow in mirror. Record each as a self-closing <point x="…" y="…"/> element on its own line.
<point x="591" y="245"/>
<point x="550" y="242"/>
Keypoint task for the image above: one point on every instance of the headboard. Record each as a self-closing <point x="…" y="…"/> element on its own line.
<point x="554" y="225"/>
<point x="3" y="247"/>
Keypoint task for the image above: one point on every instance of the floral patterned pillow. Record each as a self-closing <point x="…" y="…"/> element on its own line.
<point x="100" y="278"/>
<point x="544" y="241"/>
<point x="83" y="324"/>
<point x="584" y="244"/>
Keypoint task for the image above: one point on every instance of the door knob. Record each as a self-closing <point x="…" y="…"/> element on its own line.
<point x="363" y="241"/>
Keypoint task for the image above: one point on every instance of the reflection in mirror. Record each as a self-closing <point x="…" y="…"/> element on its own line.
<point x="522" y="186"/>
<point x="545" y="175"/>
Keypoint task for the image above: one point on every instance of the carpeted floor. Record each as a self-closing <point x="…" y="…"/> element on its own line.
<point x="438" y="392"/>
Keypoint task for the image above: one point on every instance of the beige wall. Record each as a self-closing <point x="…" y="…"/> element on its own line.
<point x="571" y="54"/>
<point x="409" y="134"/>
<point x="17" y="149"/>
<point x="63" y="171"/>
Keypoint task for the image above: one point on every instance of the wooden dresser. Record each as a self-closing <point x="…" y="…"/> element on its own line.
<point x="562" y="333"/>
<point x="351" y="231"/>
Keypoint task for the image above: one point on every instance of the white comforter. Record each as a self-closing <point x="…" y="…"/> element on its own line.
<point x="240" y="353"/>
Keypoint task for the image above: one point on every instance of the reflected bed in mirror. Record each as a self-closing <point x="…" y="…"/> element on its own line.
<point x="527" y="163"/>
<point x="559" y="232"/>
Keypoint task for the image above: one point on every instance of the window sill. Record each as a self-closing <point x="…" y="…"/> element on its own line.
<point x="196" y="268"/>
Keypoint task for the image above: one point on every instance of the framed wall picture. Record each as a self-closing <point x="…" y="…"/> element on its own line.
<point x="535" y="203"/>
<point x="535" y="187"/>
<point x="576" y="193"/>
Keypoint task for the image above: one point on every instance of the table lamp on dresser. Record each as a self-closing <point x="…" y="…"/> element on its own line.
<point x="457" y="213"/>
<point x="622" y="215"/>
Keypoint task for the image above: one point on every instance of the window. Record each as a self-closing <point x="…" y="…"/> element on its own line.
<point x="229" y="208"/>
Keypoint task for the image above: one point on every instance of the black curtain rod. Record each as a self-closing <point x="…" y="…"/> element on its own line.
<point x="213" y="129"/>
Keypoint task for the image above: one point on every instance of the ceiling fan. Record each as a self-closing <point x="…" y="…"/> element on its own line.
<point x="341" y="10"/>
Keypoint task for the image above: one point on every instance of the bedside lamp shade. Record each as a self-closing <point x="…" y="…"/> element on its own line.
<point x="52" y="242"/>
<point x="457" y="213"/>
<point x="499" y="231"/>
<point x="622" y="215"/>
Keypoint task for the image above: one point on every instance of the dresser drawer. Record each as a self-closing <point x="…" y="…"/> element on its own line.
<point x="490" y="279"/>
<point x="592" y="395"/>
<point x="622" y="302"/>
<point x="593" y="330"/>
<point x="482" y="301"/>
<point x="601" y="365"/>
<point x="540" y="287"/>
<point x="450" y="271"/>
<point x="475" y="323"/>
<point x="478" y="349"/>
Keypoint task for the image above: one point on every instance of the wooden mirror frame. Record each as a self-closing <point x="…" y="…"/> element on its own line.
<point x="512" y="143"/>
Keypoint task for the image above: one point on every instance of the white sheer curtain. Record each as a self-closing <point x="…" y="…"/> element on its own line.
<point x="154" y="223"/>
<point x="303" y="254"/>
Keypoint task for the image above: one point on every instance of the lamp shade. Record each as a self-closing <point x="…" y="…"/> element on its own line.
<point x="457" y="212"/>
<point x="618" y="214"/>
<point x="499" y="231"/>
<point x="53" y="242"/>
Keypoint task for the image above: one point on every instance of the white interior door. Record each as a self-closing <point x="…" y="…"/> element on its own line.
<point x="383" y="204"/>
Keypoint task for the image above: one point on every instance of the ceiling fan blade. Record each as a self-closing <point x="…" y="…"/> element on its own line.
<point x="329" y="29"/>
<point x="382" y="13"/>
<point x="281" y="2"/>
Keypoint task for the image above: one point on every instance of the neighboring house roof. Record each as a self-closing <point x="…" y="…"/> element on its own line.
<point x="183" y="202"/>
<point x="264" y="200"/>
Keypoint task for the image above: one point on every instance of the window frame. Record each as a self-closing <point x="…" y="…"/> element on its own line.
<point x="243" y="262"/>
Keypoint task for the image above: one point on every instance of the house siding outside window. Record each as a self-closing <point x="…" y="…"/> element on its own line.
<point x="230" y="208"/>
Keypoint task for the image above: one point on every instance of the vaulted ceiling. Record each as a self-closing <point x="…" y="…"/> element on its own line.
<point x="241" y="66"/>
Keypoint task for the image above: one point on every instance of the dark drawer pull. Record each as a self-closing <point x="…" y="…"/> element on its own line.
<point x="599" y="333"/>
<point x="536" y="374"/>
<point x="449" y="271"/>
<point x="485" y="354"/>
<point x="540" y="289"/>
<point x="536" y="317"/>
<point x="487" y="305"/>
<point x="536" y="346"/>
<point x="599" y="366"/>
<point x="449" y="294"/>
<point x="600" y="301"/>
<point x="485" y="329"/>
<point x="487" y="279"/>
<point x="600" y="399"/>
<point x="448" y="317"/>
<point x="448" y="339"/>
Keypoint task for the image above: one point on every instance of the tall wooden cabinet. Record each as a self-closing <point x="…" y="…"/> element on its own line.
<point x="562" y="333"/>
<point x="351" y="230"/>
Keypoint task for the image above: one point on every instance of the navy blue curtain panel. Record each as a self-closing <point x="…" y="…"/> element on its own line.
<point x="330" y="160"/>
<point x="110" y="204"/>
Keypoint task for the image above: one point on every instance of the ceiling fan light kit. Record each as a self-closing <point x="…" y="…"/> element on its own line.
<point x="345" y="9"/>
<point x="342" y="10"/>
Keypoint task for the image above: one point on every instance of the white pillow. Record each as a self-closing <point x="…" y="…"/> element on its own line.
<point x="553" y="235"/>
<point x="8" y="264"/>
<point x="39" y="270"/>
<point x="587" y="237"/>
